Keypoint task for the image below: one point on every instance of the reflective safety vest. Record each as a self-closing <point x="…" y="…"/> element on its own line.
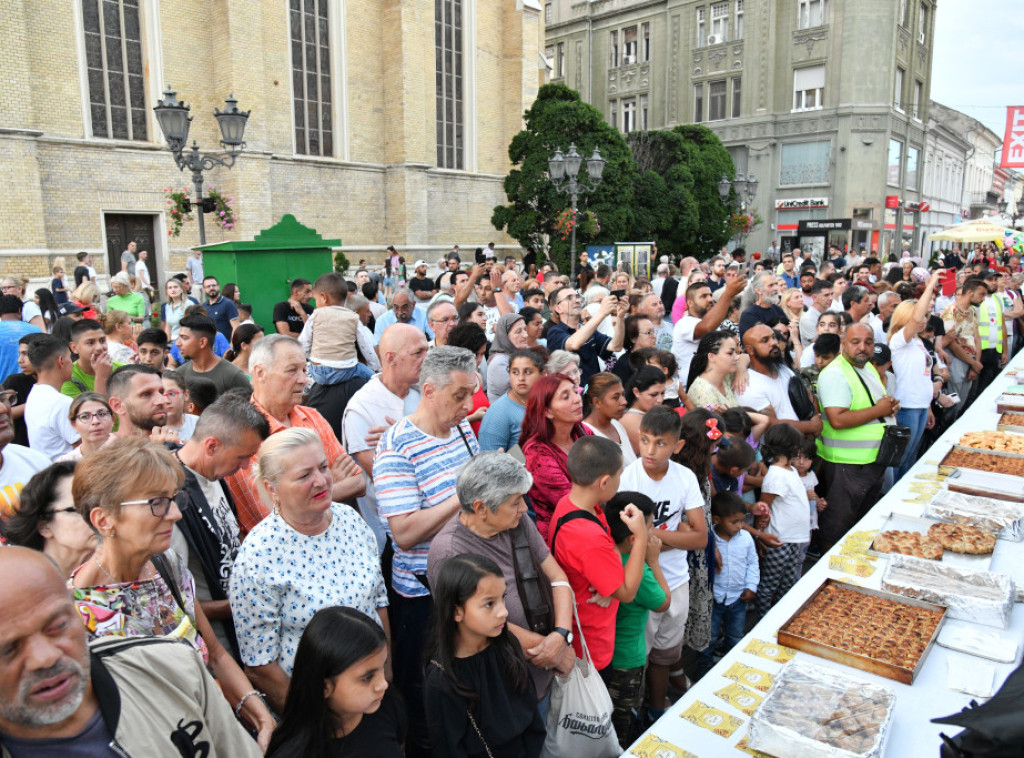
<point x="991" y="329"/>
<point x="857" y="444"/>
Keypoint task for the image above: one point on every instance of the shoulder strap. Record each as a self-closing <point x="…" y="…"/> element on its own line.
<point x="572" y="516"/>
<point x="465" y="441"/>
<point x="163" y="568"/>
<point x="534" y="588"/>
<point x="865" y="384"/>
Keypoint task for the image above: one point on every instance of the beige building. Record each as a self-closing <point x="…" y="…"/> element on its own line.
<point x="824" y="101"/>
<point x="376" y="121"/>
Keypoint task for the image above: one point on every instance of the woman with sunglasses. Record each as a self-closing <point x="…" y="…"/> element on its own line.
<point x="46" y="519"/>
<point x="134" y="585"/>
<point x="92" y="418"/>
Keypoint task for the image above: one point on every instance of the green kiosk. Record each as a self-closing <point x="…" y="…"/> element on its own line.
<point x="264" y="267"/>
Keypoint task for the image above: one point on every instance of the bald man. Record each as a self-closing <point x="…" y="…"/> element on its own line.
<point x="150" y="697"/>
<point x="768" y="386"/>
<point x="856" y="410"/>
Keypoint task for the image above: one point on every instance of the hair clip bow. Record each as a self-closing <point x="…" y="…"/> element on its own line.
<point x="714" y="432"/>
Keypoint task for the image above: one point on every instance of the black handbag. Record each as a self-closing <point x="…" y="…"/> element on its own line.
<point x="894" y="440"/>
<point x="992" y="730"/>
<point x="799" y="398"/>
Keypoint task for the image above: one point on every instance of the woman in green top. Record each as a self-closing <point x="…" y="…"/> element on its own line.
<point x="125" y="300"/>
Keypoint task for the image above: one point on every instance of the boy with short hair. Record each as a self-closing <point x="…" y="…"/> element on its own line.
<point x="581" y="543"/>
<point x="626" y="678"/>
<point x="730" y="463"/>
<point x="245" y="314"/>
<point x="826" y="348"/>
<point x="152" y="348"/>
<point x="201" y="393"/>
<point x="679" y="519"/>
<point x="94" y="366"/>
<point x="736" y="582"/>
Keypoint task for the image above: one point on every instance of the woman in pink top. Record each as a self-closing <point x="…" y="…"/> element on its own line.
<point x="553" y="421"/>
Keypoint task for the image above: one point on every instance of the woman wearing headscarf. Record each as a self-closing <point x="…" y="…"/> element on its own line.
<point x="509" y="336"/>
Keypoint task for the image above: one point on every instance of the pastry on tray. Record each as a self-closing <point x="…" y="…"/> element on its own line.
<point x="961" y="538"/>
<point x="908" y="543"/>
<point x="1012" y="419"/>
<point x="982" y="461"/>
<point x="1003" y="442"/>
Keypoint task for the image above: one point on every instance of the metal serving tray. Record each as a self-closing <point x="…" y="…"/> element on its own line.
<point x="899" y="522"/>
<point x="856" y="660"/>
<point x="1012" y="403"/>
<point x="1008" y="423"/>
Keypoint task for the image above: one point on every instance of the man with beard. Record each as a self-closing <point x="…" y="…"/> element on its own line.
<point x="223" y="312"/>
<point x="403" y="311"/>
<point x="195" y="341"/>
<point x="807" y="279"/>
<point x="61" y="696"/>
<point x="716" y="279"/>
<point x="766" y="303"/>
<point x="768" y="388"/>
<point x="702" y="315"/>
<point x="856" y="410"/>
<point x="137" y="398"/>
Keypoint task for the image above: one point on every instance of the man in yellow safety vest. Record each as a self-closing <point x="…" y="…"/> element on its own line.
<point x="995" y="349"/>
<point x="855" y="411"/>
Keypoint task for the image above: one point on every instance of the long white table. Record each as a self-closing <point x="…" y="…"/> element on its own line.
<point x="929" y="697"/>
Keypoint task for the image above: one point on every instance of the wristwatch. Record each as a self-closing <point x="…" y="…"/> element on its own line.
<point x="565" y="633"/>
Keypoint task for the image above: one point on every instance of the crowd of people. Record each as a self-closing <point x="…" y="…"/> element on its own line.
<point x="388" y="522"/>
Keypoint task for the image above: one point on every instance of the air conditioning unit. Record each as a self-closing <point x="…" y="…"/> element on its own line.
<point x="920" y="38"/>
<point x="628" y="60"/>
<point x="714" y="39"/>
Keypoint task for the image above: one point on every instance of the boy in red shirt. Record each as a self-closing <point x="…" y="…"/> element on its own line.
<point x="583" y="547"/>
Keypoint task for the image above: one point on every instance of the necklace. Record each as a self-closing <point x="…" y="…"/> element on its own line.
<point x="111" y="577"/>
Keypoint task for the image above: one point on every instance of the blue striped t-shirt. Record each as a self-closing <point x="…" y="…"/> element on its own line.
<point x="412" y="470"/>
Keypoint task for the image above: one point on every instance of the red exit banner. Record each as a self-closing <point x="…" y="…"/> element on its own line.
<point x="1013" y="141"/>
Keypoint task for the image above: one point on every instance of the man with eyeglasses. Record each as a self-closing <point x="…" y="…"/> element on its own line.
<point x="46" y="411"/>
<point x="442" y="318"/>
<point x="584" y="339"/>
<point x="403" y="311"/>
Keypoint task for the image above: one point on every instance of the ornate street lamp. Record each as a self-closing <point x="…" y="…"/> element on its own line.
<point x="175" y="121"/>
<point x="744" y="186"/>
<point x="563" y="170"/>
<point x="1015" y="214"/>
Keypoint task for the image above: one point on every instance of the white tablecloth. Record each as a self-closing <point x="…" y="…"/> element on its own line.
<point x="929" y="697"/>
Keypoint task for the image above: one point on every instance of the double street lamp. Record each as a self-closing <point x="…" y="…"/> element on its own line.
<point x="563" y="170"/>
<point x="175" y="122"/>
<point x="1017" y="212"/>
<point x="745" y="188"/>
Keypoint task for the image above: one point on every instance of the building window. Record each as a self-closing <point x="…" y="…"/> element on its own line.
<point x="448" y="54"/>
<point x="903" y="13"/>
<point x="739" y="20"/>
<point x="806" y="163"/>
<point x="114" y="66"/>
<point x="629" y="115"/>
<point x="702" y="38"/>
<point x="613" y="113"/>
<point x="811" y="13"/>
<point x="716" y="101"/>
<point x="808" y="88"/>
<point x="645" y="42"/>
<point x="913" y="158"/>
<point x="629" y="46"/>
<point x="892" y="174"/>
<point x="719" y="23"/>
<point x="613" y="47"/>
<point x="736" y="97"/>
<point x="547" y="13"/>
<point x="897" y="95"/>
<point x="311" y="78"/>
<point x="918" y="93"/>
<point x="560" y="61"/>
<point x="922" y="23"/>
<point x="643" y="113"/>
<point x="698" y="103"/>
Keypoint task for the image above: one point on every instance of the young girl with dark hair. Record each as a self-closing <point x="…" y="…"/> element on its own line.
<point x="644" y="390"/>
<point x="605" y="405"/>
<point x="479" y="696"/>
<point x="786" y="497"/>
<point x="338" y="702"/>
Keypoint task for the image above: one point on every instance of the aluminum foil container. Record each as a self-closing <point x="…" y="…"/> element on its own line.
<point x="817" y="712"/>
<point x="982" y="597"/>
<point x="983" y="512"/>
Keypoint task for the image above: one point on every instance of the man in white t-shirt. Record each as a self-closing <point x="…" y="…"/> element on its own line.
<point x="387" y="397"/>
<point x="18" y="464"/>
<point x="46" y="410"/>
<point x="702" y="315"/>
<point x="768" y="387"/>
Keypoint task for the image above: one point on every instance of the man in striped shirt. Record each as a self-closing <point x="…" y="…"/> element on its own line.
<point x="415" y="469"/>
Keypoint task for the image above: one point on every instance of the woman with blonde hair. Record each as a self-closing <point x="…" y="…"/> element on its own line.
<point x="309" y="553"/>
<point x="135" y="585"/>
<point x="792" y="303"/>
<point x="117" y="325"/>
<point x="85" y="295"/>
<point x="173" y="311"/>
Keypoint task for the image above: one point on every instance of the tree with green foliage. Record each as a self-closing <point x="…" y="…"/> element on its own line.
<point x="557" y="118"/>
<point x="708" y="161"/>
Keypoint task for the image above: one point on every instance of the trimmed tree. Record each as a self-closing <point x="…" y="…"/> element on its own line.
<point x="557" y="118"/>
<point x="707" y="160"/>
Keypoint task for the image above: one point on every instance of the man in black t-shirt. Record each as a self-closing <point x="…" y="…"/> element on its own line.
<point x="766" y="306"/>
<point x="422" y="288"/>
<point x="82" y="273"/>
<point x="453" y="262"/>
<point x="290" y="316"/>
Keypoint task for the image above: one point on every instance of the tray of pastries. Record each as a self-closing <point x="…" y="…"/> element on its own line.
<point x="816" y="712"/>
<point x="993" y="461"/>
<point x="1010" y="403"/>
<point x="981" y="597"/>
<point x="1003" y="442"/>
<point x="1010" y="422"/>
<point x="957" y="544"/>
<point x="867" y="629"/>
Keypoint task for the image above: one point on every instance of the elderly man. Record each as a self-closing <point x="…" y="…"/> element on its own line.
<point x="511" y="286"/>
<point x="585" y="340"/>
<point x="442" y="318"/>
<point x="766" y="303"/>
<point x="858" y="301"/>
<point x="414" y="469"/>
<point x="493" y="522"/>
<point x="60" y="696"/>
<point x="769" y="376"/>
<point x="659" y="281"/>
<point x="856" y="410"/>
<point x="702" y="315"/>
<point x="821" y="300"/>
<point x="228" y="434"/>
<point x="652" y="307"/>
<point x="403" y="311"/>
<point x="887" y="303"/>
<point x="388" y="397"/>
<point x="278" y="368"/>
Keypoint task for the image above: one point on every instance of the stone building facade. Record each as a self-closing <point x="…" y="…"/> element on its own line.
<point x="375" y="121"/>
<point x="824" y="101"/>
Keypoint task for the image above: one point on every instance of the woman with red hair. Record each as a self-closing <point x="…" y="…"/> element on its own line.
<point x="553" y="421"/>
